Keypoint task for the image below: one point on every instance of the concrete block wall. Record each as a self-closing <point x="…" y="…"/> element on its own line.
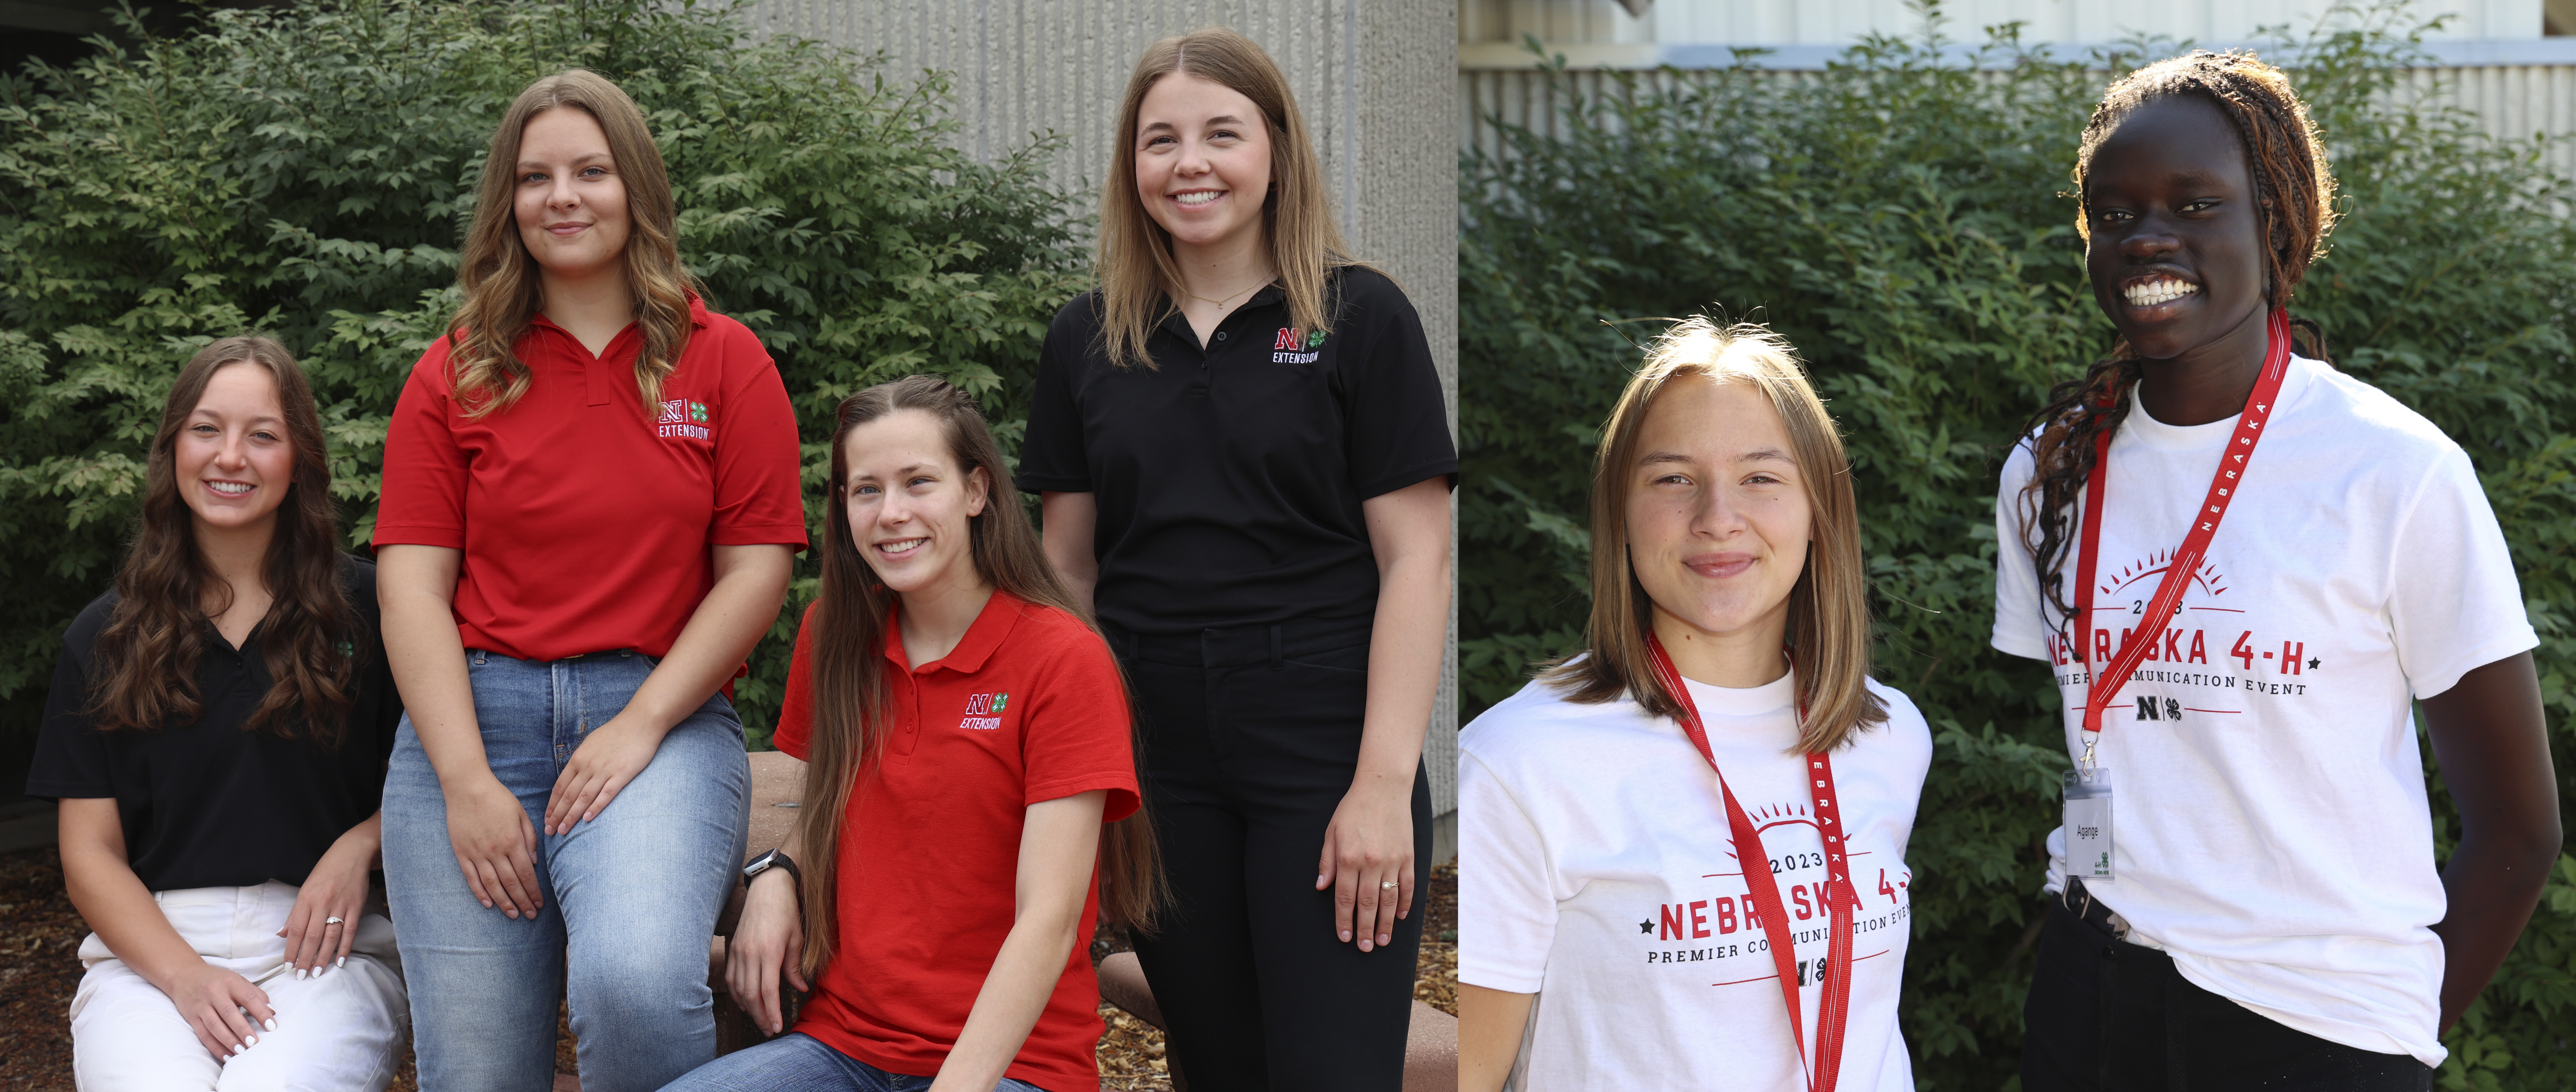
<point x="1376" y="79"/>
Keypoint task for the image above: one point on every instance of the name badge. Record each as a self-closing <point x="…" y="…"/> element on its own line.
<point x="2088" y="824"/>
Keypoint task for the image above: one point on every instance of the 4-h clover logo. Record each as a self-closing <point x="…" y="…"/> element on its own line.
<point x="697" y="413"/>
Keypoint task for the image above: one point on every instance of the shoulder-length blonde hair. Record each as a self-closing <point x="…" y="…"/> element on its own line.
<point x="1135" y="265"/>
<point x="500" y="277"/>
<point x="1829" y="606"/>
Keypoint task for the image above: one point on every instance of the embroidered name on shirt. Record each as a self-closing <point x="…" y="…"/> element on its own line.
<point x="983" y="712"/>
<point x="684" y="419"/>
<point x="1295" y="346"/>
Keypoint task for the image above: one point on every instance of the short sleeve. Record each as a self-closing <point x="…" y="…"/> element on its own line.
<point x="2464" y="610"/>
<point x="2020" y="629"/>
<point x="384" y="714"/>
<point x="1078" y="734"/>
<point x="71" y="758"/>
<point x="760" y="498"/>
<point x="1052" y="455"/>
<point x="423" y="500"/>
<point x="796" y="706"/>
<point x="1399" y="420"/>
<point x="1506" y="892"/>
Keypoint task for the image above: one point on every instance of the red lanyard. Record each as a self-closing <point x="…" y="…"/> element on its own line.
<point x="1834" y="974"/>
<point x="2105" y="683"/>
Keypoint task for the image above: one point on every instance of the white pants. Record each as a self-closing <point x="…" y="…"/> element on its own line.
<point x="339" y="1032"/>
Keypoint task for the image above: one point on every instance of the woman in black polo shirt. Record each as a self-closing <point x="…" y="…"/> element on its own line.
<point x="216" y="735"/>
<point x="1245" y="464"/>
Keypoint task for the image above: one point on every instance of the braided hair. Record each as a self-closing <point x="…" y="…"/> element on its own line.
<point x="2294" y="198"/>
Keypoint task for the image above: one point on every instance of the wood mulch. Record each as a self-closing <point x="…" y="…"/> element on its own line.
<point x="40" y="935"/>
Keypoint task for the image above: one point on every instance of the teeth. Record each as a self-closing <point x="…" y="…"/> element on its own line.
<point x="1200" y="197"/>
<point x="904" y="547"/>
<point x="234" y="488"/>
<point x="2159" y="290"/>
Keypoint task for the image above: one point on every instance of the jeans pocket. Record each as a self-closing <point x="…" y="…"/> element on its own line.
<point x="1351" y="658"/>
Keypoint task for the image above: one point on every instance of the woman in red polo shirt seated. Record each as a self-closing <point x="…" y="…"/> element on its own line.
<point x="591" y="506"/>
<point x="965" y="733"/>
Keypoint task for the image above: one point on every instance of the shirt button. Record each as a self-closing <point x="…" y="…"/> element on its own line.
<point x="1220" y="335"/>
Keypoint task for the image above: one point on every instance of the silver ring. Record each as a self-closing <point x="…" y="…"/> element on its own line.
<point x="1387" y="886"/>
<point x="330" y="921"/>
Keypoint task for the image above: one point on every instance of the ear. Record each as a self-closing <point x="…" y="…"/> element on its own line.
<point x="979" y="489"/>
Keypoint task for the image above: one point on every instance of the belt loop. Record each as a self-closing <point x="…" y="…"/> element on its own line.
<point x="478" y="657"/>
<point x="1276" y="658"/>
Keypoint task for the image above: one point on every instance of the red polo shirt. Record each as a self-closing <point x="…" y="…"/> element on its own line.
<point x="1027" y="708"/>
<point x="585" y="521"/>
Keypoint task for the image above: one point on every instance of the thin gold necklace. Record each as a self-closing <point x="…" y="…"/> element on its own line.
<point x="1220" y="300"/>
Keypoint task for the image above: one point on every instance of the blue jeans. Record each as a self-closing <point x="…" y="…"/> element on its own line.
<point x="631" y="897"/>
<point x="797" y="1062"/>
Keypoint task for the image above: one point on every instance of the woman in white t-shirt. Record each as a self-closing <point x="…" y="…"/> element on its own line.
<point x="1608" y="935"/>
<point x="2256" y="902"/>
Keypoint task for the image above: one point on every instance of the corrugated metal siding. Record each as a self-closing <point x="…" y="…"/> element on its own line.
<point x="2514" y="102"/>
<point x="1375" y="80"/>
<point x="1837" y="22"/>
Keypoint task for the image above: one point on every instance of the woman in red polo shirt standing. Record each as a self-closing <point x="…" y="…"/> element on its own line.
<point x="590" y="510"/>
<point x="965" y="734"/>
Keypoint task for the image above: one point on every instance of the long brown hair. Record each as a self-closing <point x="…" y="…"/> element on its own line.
<point x="1828" y="606"/>
<point x="144" y="672"/>
<point x="851" y="720"/>
<point x="2294" y="208"/>
<point x="502" y="292"/>
<point x="1138" y="275"/>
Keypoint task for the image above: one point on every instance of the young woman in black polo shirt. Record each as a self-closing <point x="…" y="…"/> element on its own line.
<point x="216" y="735"/>
<point x="1245" y="464"/>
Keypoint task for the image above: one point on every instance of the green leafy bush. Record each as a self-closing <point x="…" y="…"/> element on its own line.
<point x="309" y="171"/>
<point x="1900" y="217"/>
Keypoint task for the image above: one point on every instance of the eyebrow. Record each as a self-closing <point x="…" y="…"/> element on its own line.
<point x="1762" y="454"/>
<point x="1165" y="126"/>
<point x="578" y="161"/>
<point x="212" y="417"/>
<point x="901" y="471"/>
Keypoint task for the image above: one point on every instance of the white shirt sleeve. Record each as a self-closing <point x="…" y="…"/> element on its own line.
<point x="2454" y="602"/>
<point x="2019" y="627"/>
<point x="1506" y="886"/>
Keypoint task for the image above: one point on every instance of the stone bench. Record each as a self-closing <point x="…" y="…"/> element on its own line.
<point x="1431" y="1047"/>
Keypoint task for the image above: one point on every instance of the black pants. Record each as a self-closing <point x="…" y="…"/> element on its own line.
<point x="2105" y="1015"/>
<point x="1252" y="735"/>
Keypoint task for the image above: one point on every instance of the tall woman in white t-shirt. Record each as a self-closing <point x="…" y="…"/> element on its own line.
<point x="1608" y="935"/>
<point x="2271" y="915"/>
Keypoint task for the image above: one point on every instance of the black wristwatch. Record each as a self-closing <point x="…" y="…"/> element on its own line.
<point x="773" y="858"/>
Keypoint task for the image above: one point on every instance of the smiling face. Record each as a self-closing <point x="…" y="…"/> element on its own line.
<point x="2176" y="256"/>
<point x="1202" y="160"/>
<point x="1718" y="515"/>
<point x="570" y="202"/>
<point x="909" y="505"/>
<point x="232" y="459"/>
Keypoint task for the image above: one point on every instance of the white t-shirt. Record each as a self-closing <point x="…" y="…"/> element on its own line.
<point x="1597" y="871"/>
<point x="2269" y="824"/>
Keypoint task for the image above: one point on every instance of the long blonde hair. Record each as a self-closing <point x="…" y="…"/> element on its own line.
<point x="1135" y="265"/>
<point x="852" y="713"/>
<point x="500" y="277"/>
<point x="1828" y="607"/>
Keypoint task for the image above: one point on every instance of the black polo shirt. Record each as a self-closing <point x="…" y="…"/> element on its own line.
<point x="207" y="804"/>
<point x="1229" y="477"/>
